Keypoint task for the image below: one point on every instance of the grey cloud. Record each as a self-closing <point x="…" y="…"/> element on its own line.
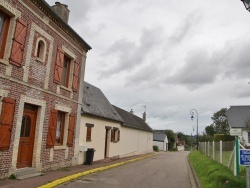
<point x="130" y="55"/>
<point x="198" y="69"/>
<point x="237" y="59"/>
<point x="186" y="27"/>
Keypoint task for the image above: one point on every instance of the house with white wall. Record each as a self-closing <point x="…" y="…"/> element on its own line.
<point x="239" y="118"/>
<point x="160" y="139"/>
<point x="100" y="125"/>
<point x="110" y="131"/>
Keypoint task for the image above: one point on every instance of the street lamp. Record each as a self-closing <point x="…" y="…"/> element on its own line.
<point x="192" y="117"/>
<point x="246" y="4"/>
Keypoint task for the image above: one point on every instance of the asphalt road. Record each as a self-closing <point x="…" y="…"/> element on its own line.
<point x="168" y="170"/>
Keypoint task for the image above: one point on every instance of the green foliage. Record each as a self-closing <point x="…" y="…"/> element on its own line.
<point x="223" y="137"/>
<point x="156" y="148"/>
<point x="220" y="122"/>
<point x="212" y="174"/>
<point x="12" y="177"/>
<point x="205" y="138"/>
<point x="171" y="136"/>
<point x="210" y="130"/>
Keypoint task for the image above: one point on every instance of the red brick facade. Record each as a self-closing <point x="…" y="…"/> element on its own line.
<point x="32" y="82"/>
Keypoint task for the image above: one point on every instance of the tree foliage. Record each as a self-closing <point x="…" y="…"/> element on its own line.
<point x="171" y="136"/>
<point x="220" y="122"/>
<point x="210" y="130"/>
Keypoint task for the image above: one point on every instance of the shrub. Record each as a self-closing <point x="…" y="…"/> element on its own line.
<point x="12" y="177"/>
<point x="156" y="148"/>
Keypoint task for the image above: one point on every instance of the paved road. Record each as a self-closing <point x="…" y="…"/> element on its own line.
<point x="168" y="170"/>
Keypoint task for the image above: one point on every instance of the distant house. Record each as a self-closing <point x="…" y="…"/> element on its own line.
<point x="111" y="131"/>
<point x="160" y="139"/>
<point x="180" y="144"/>
<point x="239" y="118"/>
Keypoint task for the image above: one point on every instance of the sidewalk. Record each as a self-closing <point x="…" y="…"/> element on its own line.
<point x="55" y="175"/>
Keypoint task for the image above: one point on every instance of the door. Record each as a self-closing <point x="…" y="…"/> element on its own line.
<point x="27" y="135"/>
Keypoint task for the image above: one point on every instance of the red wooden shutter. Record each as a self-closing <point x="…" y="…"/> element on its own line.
<point x="51" y="136"/>
<point x="112" y="135"/>
<point x="75" y="76"/>
<point x="59" y="66"/>
<point x="118" y="139"/>
<point x="88" y="137"/>
<point x="18" y="43"/>
<point x="7" y="116"/>
<point x="71" y="130"/>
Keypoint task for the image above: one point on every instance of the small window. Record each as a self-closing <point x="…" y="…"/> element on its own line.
<point x="60" y="128"/>
<point x="115" y="135"/>
<point x="40" y="50"/>
<point x="89" y="130"/>
<point x="248" y="137"/>
<point x="4" y="27"/>
<point x="65" y="71"/>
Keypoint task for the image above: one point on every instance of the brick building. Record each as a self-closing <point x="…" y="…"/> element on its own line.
<point x="42" y="60"/>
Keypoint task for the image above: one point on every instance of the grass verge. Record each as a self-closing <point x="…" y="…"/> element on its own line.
<point x="212" y="174"/>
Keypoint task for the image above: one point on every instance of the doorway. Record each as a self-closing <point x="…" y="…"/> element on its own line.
<point x="27" y="135"/>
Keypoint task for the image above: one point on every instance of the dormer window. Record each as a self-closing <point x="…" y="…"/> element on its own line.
<point x="40" y="49"/>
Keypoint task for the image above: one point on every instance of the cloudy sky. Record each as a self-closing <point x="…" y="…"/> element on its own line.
<point x="170" y="56"/>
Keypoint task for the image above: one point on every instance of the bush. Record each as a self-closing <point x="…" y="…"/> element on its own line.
<point x="156" y="148"/>
<point x="223" y="138"/>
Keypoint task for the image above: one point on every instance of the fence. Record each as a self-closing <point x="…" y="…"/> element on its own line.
<point x="222" y="152"/>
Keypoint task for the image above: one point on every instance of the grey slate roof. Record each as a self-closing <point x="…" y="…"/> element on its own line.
<point x="132" y="121"/>
<point x="238" y="116"/>
<point x="95" y="103"/>
<point x="159" y="137"/>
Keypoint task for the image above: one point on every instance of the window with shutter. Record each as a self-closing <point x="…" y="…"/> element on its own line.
<point x="6" y="121"/>
<point x="59" y="66"/>
<point x="65" y="71"/>
<point x="4" y="27"/>
<point x="75" y="76"/>
<point x="51" y="136"/>
<point x="18" y="43"/>
<point x="71" y="130"/>
<point x="89" y="130"/>
<point x="60" y="128"/>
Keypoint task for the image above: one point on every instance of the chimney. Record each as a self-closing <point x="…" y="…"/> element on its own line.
<point x="131" y="111"/>
<point x="61" y="10"/>
<point x="144" y="116"/>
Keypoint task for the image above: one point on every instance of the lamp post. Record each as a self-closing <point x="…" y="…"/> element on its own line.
<point x="192" y="117"/>
<point x="246" y="4"/>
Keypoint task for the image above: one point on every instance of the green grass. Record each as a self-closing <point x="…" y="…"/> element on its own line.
<point x="211" y="174"/>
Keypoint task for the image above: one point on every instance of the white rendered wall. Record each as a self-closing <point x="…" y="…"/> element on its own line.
<point x="135" y="142"/>
<point x="97" y="138"/>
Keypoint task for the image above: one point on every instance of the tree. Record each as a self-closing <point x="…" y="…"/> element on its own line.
<point x="210" y="130"/>
<point x="171" y="138"/>
<point x="220" y="122"/>
<point x="180" y="135"/>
